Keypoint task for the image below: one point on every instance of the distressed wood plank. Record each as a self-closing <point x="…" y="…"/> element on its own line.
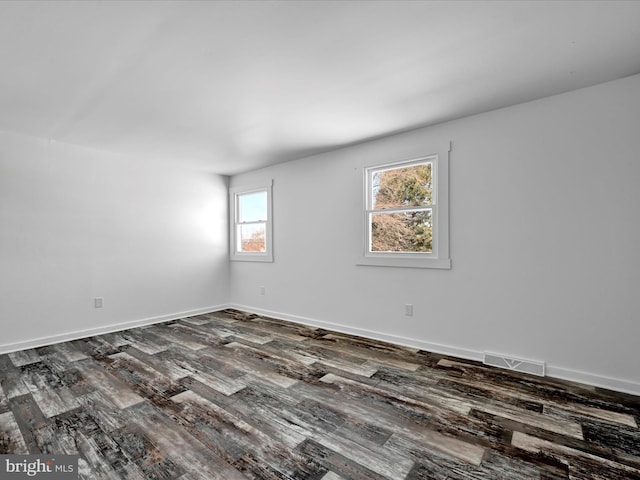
<point x="232" y="395"/>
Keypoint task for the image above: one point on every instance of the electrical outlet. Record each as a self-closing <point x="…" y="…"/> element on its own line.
<point x="408" y="310"/>
<point x="98" y="302"/>
<point x="263" y="290"/>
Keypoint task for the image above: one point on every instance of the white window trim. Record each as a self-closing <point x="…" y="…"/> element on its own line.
<point x="439" y="257"/>
<point x="266" y="256"/>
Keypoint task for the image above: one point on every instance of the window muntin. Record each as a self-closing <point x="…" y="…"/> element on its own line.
<point x="251" y="237"/>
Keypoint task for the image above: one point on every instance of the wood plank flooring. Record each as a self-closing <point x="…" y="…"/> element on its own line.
<point x="234" y="396"/>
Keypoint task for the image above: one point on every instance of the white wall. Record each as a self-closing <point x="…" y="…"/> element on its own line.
<point x="77" y="224"/>
<point x="544" y="229"/>
<point x="544" y="239"/>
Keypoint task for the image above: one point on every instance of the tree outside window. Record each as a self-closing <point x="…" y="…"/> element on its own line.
<point x="251" y="233"/>
<point x="400" y="208"/>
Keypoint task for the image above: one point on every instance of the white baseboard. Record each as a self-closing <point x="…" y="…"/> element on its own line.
<point x="65" y="337"/>
<point x="610" y="383"/>
<point x="361" y="332"/>
<point x="619" y="385"/>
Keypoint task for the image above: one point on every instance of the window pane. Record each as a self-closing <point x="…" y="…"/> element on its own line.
<point x="252" y="207"/>
<point x="402" y="187"/>
<point x="251" y="238"/>
<point x="401" y="232"/>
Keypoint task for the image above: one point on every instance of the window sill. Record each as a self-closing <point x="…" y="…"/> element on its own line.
<point x="251" y="258"/>
<point x="410" y="262"/>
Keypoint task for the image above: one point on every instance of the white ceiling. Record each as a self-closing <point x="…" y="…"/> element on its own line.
<point x="233" y="86"/>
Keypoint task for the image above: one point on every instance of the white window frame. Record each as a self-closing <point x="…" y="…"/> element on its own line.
<point x="439" y="256"/>
<point x="234" y="214"/>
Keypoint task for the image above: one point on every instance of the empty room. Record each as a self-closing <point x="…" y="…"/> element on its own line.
<point x="319" y="240"/>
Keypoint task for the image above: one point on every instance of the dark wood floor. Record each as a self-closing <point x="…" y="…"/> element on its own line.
<point x="232" y="396"/>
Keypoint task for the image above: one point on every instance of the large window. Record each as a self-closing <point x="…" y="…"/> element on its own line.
<point x="251" y="237"/>
<point x="400" y="211"/>
<point x="406" y="213"/>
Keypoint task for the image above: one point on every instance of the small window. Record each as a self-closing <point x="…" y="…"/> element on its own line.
<point x="251" y="238"/>
<point x="406" y="217"/>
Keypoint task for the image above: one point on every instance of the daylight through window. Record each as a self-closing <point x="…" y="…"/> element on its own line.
<point x="251" y="232"/>
<point x="406" y="213"/>
<point x="252" y="222"/>
<point x="401" y="210"/>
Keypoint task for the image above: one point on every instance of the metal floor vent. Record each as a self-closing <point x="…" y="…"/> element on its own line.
<point x="517" y="364"/>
